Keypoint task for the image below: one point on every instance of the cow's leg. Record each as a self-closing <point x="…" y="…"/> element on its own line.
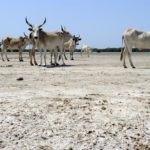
<point x="56" y="56"/>
<point x="72" y="57"/>
<point x="124" y="57"/>
<point x="2" y="53"/>
<point x="51" y="57"/>
<point x="33" y="54"/>
<point x="61" y="53"/>
<point x="65" y="56"/>
<point x="71" y="54"/>
<point x="40" y="57"/>
<point x="59" y="57"/>
<point x="5" y="51"/>
<point x="30" y="56"/>
<point x="45" y="56"/>
<point x="130" y="59"/>
<point x="20" y="54"/>
<point x="63" y="63"/>
<point x="64" y="51"/>
<point x="88" y="53"/>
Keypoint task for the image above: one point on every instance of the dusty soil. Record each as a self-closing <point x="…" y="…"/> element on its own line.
<point x="90" y="104"/>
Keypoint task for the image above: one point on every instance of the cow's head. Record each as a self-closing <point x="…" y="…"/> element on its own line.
<point x="76" y="39"/>
<point x="35" y="29"/>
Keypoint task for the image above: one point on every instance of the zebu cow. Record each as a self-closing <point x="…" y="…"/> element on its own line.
<point x="48" y="40"/>
<point x="14" y="43"/>
<point x="87" y="49"/>
<point x="71" y="45"/>
<point x="133" y="38"/>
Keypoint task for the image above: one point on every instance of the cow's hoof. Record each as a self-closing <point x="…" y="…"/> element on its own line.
<point x="52" y="64"/>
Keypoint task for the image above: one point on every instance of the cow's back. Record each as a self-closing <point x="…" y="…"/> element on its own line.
<point x="137" y="39"/>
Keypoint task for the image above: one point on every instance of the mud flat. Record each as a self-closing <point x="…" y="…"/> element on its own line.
<point x="89" y="104"/>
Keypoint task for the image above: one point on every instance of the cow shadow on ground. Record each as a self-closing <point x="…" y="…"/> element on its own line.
<point x="59" y="66"/>
<point x="6" y="65"/>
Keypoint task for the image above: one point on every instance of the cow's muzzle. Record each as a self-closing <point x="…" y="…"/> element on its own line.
<point x="35" y="37"/>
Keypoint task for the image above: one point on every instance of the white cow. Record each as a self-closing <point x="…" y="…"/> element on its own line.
<point x="71" y="45"/>
<point x="133" y="38"/>
<point x="87" y="49"/>
<point x="48" y="40"/>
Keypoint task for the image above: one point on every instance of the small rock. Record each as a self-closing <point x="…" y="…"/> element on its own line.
<point x="103" y="108"/>
<point x="19" y="79"/>
<point x="70" y="148"/>
<point x="44" y="138"/>
<point x="89" y="132"/>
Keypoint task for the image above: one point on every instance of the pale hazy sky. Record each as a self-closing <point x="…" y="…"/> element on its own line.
<point x="100" y="23"/>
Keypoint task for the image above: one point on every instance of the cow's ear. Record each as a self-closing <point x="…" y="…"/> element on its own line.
<point x="30" y="29"/>
<point x="40" y="29"/>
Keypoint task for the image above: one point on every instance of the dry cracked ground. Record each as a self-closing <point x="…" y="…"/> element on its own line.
<point x="89" y="104"/>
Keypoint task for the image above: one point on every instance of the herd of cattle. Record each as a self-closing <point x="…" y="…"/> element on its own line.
<point x="58" y="42"/>
<point x="55" y="42"/>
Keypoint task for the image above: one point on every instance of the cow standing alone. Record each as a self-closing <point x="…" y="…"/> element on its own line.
<point x="12" y="44"/>
<point x="133" y="38"/>
<point x="71" y="45"/>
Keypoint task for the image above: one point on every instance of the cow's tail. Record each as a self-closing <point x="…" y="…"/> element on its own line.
<point x="122" y="49"/>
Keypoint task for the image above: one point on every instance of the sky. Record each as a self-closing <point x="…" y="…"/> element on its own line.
<point x="100" y="23"/>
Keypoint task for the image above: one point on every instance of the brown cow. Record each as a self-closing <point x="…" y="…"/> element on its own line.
<point x="14" y="43"/>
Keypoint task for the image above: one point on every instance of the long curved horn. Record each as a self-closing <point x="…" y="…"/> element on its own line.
<point x="42" y="23"/>
<point x="62" y="29"/>
<point x="28" y="23"/>
<point x="25" y="35"/>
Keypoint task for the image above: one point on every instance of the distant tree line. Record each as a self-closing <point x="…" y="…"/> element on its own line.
<point x="98" y="50"/>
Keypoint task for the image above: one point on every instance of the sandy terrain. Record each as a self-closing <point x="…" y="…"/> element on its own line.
<point x="90" y="104"/>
